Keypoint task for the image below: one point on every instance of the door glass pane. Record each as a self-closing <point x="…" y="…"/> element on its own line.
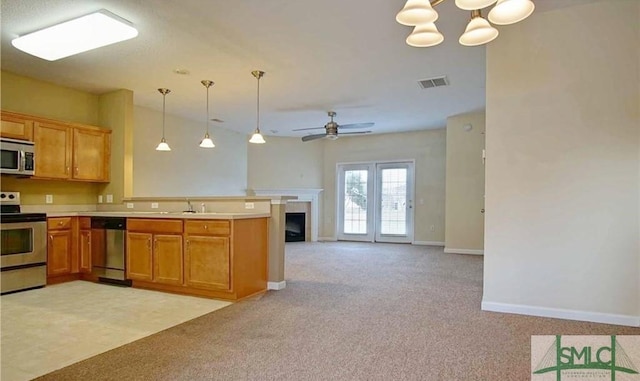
<point x="393" y="195"/>
<point x="355" y="202"/>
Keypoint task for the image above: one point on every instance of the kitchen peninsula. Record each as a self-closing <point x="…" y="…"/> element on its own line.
<point x="224" y="254"/>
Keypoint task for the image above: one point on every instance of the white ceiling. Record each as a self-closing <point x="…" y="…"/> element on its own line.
<point x="347" y="56"/>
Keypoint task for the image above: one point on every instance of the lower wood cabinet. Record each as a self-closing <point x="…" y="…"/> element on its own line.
<point x="154" y="251"/>
<point x="59" y="246"/>
<point x="224" y="259"/>
<point x="207" y="262"/>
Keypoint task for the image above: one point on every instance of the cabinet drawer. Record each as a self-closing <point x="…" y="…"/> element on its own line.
<point x="59" y="223"/>
<point x="154" y="226"/>
<point x="207" y="227"/>
<point x="85" y="222"/>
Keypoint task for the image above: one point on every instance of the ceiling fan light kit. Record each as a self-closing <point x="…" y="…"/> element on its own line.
<point x="422" y="15"/>
<point x="331" y="129"/>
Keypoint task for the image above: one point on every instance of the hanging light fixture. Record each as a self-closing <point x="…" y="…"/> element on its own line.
<point x="163" y="146"/>
<point x="257" y="137"/>
<point x="421" y="15"/>
<point x="206" y="141"/>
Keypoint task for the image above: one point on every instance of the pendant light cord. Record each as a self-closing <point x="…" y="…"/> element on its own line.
<point x="164" y="98"/>
<point x="258" y="107"/>
<point x="207" y="110"/>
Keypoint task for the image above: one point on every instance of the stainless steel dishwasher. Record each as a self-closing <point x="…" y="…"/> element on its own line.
<point x="108" y="252"/>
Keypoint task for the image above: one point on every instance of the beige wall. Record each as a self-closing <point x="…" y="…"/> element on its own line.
<point x="187" y="170"/>
<point x="31" y="96"/>
<point x="427" y="148"/>
<point x="34" y="97"/>
<point x="285" y="163"/>
<point x="464" y="222"/>
<point x="562" y="172"/>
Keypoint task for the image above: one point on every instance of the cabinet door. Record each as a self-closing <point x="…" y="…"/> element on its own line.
<point x="52" y="150"/>
<point x="16" y="127"/>
<point x="167" y="259"/>
<point x="90" y="154"/>
<point x="139" y="256"/>
<point x="207" y="262"/>
<point x="59" y="252"/>
<point x="85" y="251"/>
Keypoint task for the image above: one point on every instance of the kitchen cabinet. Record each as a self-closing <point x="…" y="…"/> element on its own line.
<point x="84" y="245"/>
<point x="72" y="153"/>
<point x="154" y="251"/>
<point x="16" y="126"/>
<point x="52" y="150"/>
<point x="208" y="254"/>
<point x="59" y="246"/>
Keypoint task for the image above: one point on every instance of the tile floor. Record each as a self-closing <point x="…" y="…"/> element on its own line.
<point x="50" y="328"/>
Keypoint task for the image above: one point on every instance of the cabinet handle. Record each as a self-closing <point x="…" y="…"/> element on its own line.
<point x="206" y="227"/>
<point x="76" y="170"/>
<point x="51" y="237"/>
<point x="66" y="170"/>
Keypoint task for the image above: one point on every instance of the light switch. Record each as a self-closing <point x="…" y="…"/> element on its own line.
<point x="129" y="205"/>
<point x="249" y="205"/>
<point x="154" y="205"/>
<point x="100" y="199"/>
<point x="109" y="198"/>
<point x="48" y="199"/>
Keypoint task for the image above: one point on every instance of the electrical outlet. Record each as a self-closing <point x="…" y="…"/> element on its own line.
<point x="432" y="228"/>
<point x="109" y="198"/>
<point x="154" y="205"/>
<point x="99" y="199"/>
<point x="129" y="205"/>
<point x="48" y="199"/>
<point x="249" y="205"/>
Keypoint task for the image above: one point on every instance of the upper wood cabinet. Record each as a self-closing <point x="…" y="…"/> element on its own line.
<point x="52" y="150"/>
<point x="73" y="153"/>
<point x="65" y="151"/>
<point x="91" y="153"/>
<point x="16" y="126"/>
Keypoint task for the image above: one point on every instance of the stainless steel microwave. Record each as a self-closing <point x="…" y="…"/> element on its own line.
<point x="17" y="157"/>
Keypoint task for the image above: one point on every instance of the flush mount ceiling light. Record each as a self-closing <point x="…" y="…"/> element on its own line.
<point x="207" y="142"/>
<point x="257" y="137"/>
<point x="79" y="35"/>
<point x="421" y="15"/>
<point x="163" y="146"/>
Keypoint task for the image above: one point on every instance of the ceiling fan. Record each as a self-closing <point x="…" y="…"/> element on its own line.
<point x="332" y="129"/>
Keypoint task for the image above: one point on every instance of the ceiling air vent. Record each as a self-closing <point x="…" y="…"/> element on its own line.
<point x="433" y="82"/>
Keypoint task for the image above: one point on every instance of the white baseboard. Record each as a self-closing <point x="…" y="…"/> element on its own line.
<point x="463" y="251"/>
<point x="276" y="285"/>
<point x="329" y="239"/>
<point x="558" y="313"/>
<point x="428" y="243"/>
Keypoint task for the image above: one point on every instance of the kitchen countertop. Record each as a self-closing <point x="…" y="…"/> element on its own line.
<point x="173" y="215"/>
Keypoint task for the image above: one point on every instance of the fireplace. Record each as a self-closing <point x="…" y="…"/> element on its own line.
<point x="295" y="227"/>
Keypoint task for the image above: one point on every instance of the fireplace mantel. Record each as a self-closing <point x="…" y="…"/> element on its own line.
<point x="304" y="195"/>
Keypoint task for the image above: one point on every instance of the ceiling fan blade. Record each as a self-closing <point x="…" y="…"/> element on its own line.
<point x="355" y="132"/>
<point x="355" y="125"/>
<point x="310" y="128"/>
<point x="313" y="137"/>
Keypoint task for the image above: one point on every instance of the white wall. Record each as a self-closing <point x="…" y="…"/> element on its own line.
<point x="426" y="147"/>
<point x="562" y="173"/>
<point x="464" y="221"/>
<point x="285" y="163"/>
<point x="187" y="170"/>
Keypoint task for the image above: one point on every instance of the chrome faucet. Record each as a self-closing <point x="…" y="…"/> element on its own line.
<point x="189" y="207"/>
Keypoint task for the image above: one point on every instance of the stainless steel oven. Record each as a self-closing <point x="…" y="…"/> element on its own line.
<point x="23" y="246"/>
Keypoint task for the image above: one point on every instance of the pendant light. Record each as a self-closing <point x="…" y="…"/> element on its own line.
<point x="206" y="141"/>
<point x="478" y="31"/>
<point x="425" y="35"/>
<point x="163" y="146"/>
<point x="416" y="12"/>
<point x="257" y="138"/>
<point x="470" y="5"/>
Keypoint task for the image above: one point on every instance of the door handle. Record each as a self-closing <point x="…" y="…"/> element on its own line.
<point x="482" y="210"/>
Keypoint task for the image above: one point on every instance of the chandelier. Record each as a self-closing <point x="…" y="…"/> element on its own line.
<point x="421" y="15"/>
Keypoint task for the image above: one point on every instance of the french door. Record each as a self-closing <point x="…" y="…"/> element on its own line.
<point x="375" y="202"/>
